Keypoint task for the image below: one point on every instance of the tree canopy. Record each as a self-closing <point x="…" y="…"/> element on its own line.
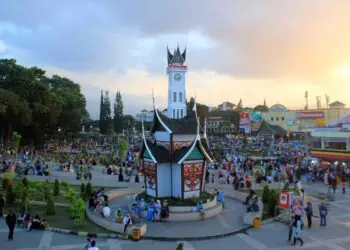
<point x="37" y="106"/>
<point x="261" y="108"/>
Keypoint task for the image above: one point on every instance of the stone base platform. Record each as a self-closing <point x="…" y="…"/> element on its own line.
<point x="226" y="222"/>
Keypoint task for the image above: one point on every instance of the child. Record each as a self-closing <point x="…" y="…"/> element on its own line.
<point x="343" y="184"/>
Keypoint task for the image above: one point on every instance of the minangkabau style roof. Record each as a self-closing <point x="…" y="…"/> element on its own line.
<point x="186" y="125"/>
<point x="269" y="129"/>
<point x="177" y="58"/>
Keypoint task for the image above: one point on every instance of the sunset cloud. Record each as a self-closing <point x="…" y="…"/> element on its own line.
<point x="236" y="48"/>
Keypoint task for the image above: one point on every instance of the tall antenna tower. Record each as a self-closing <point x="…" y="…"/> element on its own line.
<point x="327" y="101"/>
<point x="318" y="102"/>
<point x="306" y="100"/>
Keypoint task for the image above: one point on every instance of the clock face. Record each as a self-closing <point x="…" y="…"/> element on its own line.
<point x="177" y="77"/>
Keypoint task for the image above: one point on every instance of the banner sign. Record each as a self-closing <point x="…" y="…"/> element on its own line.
<point x="310" y="115"/>
<point x="244" y="122"/>
<point x="255" y="120"/>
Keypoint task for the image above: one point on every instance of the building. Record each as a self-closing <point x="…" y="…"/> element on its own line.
<point x="221" y="122"/>
<point x="331" y="144"/>
<point x="176" y="155"/>
<point x="226" y="106"/>
<point x="305" y="120"/>
<point x="176" y="71"/>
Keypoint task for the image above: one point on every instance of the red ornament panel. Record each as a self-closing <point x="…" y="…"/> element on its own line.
<point x="150" y="173"/>
<point x="192" y="176"/>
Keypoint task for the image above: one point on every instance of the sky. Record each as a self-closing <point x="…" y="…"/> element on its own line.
<point x="236" y="49"/>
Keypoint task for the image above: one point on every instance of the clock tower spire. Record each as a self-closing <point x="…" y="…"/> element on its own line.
<point x="176" y="84"/>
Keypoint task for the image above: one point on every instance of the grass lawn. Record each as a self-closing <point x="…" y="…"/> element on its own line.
<point x="62" y="219"/>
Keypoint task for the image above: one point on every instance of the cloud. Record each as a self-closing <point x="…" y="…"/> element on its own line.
<point x="236" y="48"/>
<point x="3" y="47"/>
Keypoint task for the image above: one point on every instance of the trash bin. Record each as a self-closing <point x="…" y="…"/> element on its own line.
<point x="136" y="233"/>
<point x="257" y="222"/>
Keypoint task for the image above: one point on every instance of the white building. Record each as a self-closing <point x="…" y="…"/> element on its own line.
<point x="176" y="71"/>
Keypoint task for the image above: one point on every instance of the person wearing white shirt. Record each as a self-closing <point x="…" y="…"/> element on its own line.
<point x="127" y="221"/>
<point x="106" y="211"/>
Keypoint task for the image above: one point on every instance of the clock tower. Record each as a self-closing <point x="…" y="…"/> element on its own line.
<point x="176" y="84"/>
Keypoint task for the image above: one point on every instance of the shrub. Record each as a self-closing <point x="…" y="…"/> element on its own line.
<point x="65" y="184"/>
<point x="286" y="187"/>
<point x="50" y="206"/>
<point x="88" y="189"/>
<point x="46" y="190"/>
<point x="78" y="211"/>
<point x="272" y="203"/>
<point x="71" y="195"/>
<point x="24" y="199"/>
<point x="82" y="191"/>
<point x="10" y="195"/>
<point x="56" y="188"/>
<point x="265" y="194"/>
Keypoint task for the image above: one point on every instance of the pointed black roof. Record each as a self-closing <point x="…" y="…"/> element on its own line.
<point x="267" y="129"/>
<point x="186" y="125"/>
<point x="177" y="57"/>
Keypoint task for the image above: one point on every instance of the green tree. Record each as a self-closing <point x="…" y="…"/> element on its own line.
<point x="102" y="114"/>
<point x="5" y="183"/>
<point x="129" y="122"/>
<point x="82" y="191"/>
<point x="25" y="199"/>
<point x="25" y="182"/>
<point x="35" y="105"/>
<point x="122" y="147"/>
<point x="118" y="114"/>
<point x="78" y="212"/>
<point x="202" y="110"/>
<point x="56" y="188"/>
<point x="15" y="141"/>
<point x="261" y="108"/>
<point x="272" y="202"/>
<point x="265" y="194"/>
<point x="50" y="206"/>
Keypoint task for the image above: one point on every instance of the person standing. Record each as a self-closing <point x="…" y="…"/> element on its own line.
<point x="309" y="213"/>
<point x="11" y="223"/>
<point x="343" y="184"/>
<point x="323" y="213"/>
<point x="297" y="232"/>
<point x="2" y="204"/>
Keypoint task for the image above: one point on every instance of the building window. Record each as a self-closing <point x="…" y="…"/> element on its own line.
<point x="277" y="118"/>
<point x="173" y="113"/>
<point x="180" y="97"/>
<point x="282" y="118"/>
<point x="272" y="119"/>
<point x="178" y="114"/>
<point x="182" y="112"/>
<point x="174" y="97"/>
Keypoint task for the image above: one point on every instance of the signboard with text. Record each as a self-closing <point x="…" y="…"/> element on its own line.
<point x="255" y="120"/>
<point x="244" y="122"/>
<point x="310" y="115"/>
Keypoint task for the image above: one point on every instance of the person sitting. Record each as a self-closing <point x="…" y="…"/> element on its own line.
<point x="127" y="221"/>
<point x="106" y="212"/>
<point x="253" y="206"/>
<point x="249" y="197"/>
<point x="35" y="223"/>
<point x="119" y="217"/>
<point x="21" y="218"/>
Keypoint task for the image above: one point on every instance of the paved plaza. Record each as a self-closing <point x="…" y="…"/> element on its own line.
<point x="271" y="236"/>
